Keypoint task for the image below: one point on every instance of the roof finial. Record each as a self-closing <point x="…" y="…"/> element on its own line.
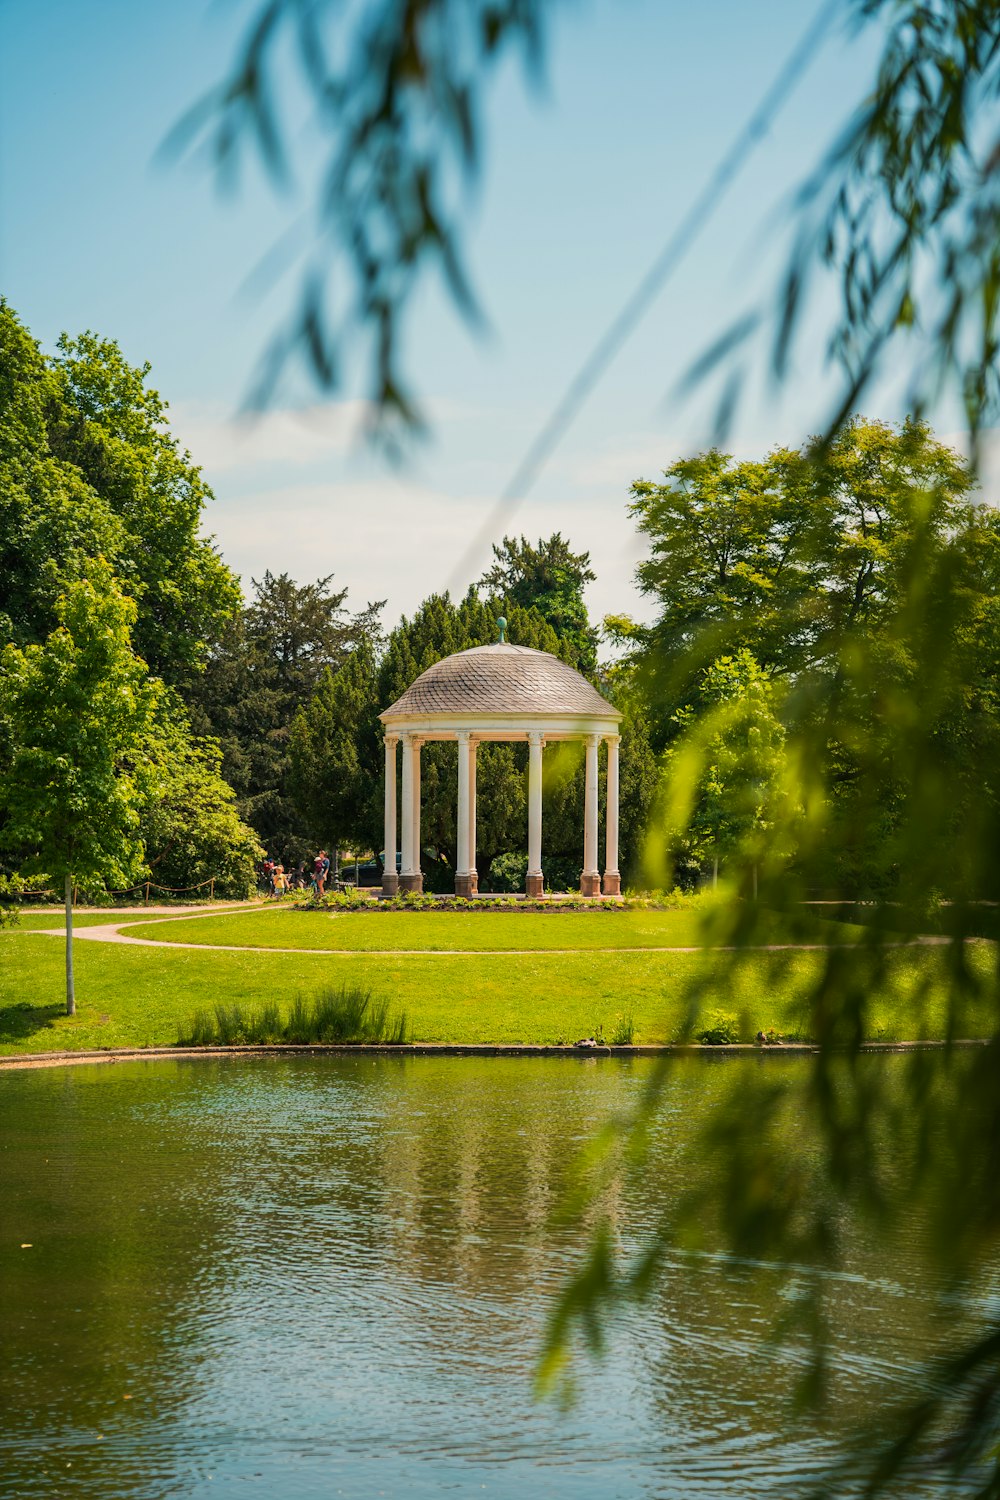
<point x="502" y="627"/>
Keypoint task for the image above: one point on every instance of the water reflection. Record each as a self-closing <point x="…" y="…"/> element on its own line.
<point x="304" y="1277"/>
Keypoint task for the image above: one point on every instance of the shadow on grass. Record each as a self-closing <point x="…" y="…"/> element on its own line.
<point x="21" y="1020"/>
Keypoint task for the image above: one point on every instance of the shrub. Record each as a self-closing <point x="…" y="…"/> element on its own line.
<point x="722" y="1030"/>
<point x="411" y="901"/>
<point x="508" y="872"/>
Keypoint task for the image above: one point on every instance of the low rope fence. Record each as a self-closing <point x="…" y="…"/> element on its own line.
<point x="145" y="887"/>
<point x="174" y="890"/>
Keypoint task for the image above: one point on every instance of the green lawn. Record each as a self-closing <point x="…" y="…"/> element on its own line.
<point x="432" y="932"/>
<point x="144" y="996"/>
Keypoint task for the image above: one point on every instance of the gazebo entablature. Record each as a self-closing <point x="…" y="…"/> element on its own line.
<point x="469" y="729"/>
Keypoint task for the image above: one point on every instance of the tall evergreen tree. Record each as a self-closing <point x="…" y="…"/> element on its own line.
<point x="272" y="661"/>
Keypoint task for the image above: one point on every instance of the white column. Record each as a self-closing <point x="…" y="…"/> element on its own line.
<point x="389" y="877"/>
<point x="612" y="878"/>
<point x="462" y="817"/>
<point x="590" y="880"/>
<point x="407" y="805"/>
<point x="418" y="880"/>
<point x="534" y="881"/>
<point x="474" y="878"/>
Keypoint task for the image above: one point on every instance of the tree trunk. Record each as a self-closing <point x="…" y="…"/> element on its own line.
<point x="70" y="989"/>
<point x="715" y="873"/>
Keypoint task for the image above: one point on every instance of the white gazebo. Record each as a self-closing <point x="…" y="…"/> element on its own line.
<point x="500" y="692"/>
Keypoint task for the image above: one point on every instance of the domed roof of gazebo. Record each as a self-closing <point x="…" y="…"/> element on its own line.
<point x="501" y="679"/>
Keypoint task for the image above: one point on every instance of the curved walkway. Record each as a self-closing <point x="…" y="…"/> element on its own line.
<point x="110" y="932"/>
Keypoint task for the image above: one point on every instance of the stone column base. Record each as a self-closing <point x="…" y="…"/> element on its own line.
<point x="413" y="883"/>
<point x="390" y="884"/>
<point x="465" y="884"/>
<point x="534" y="886"/>
<point x="590" y="885"/>
<point x="611" y="884"/>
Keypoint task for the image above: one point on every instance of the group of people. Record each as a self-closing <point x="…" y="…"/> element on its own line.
<point x="275" y="880"/>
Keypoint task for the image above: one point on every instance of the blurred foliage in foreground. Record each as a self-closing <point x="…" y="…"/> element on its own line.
<point x="876" y="757"/>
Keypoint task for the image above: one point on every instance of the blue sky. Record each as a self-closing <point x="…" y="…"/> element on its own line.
<point x="582" y="185"/>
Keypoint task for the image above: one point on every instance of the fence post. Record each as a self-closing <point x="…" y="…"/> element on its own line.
<point x="211" y="891"/>
<point x="147" y="893"/>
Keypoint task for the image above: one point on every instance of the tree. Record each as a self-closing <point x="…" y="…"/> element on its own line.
<point x="724" y="772"/>
<point x="51" y="521"/>
<point x="271" y="662"/>
<point x="398" y="101"/>
<point x="781" y="556"/>
<point x="334" y="749"/>
<point x="550" y="578"/>
<point x="896" y="725"/>
<point x="76" y="713"/>
<point x="109" y="424"/>
<point x="188" y="822"/>
<point x="88" y="468"/>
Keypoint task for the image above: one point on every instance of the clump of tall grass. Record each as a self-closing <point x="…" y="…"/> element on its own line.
<point x="347" y="1014"/>
<point x="623" y="1031"/>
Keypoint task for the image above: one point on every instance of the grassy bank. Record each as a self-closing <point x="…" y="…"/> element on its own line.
<point x="130" y="996"/>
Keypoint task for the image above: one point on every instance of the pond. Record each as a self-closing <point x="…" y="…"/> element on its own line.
<point x="297" y="1277"/>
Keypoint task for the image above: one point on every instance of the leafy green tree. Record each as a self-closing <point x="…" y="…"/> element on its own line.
<point x="112" y="427"/>
<point x="781" y="556"/>
<point x="550" y="578"/>
<point x="88" y="468"/>
<point x="725" y="773"/>
<point x="76" y="713"/>
<point x="51" y="522"/>
<point x="188" y="823"/>
<point x="899" y="729"/>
